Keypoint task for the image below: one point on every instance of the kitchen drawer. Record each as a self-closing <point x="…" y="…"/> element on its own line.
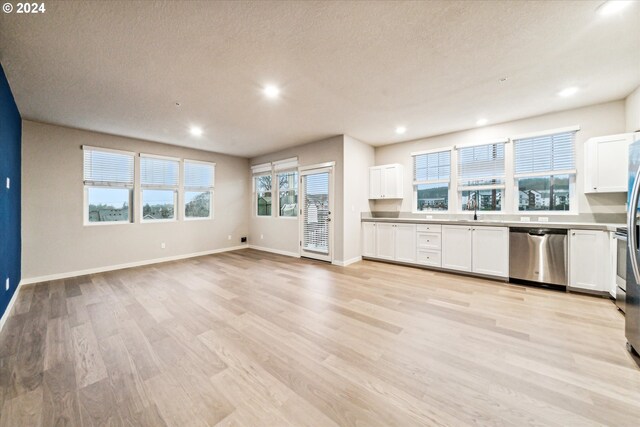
<point x="431" y="258"/>
<point x="433" y="228"/>
<point x="429" y="241"/>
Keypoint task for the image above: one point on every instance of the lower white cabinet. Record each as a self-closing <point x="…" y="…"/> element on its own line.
<point x="490" y="251"/>
<point x="388" y="241"/>
<point x="369" y="239"/>
<point x="482" y="250"/>
<point x="405" y="243"/>
<point x="589" y="255"/>
<point x="385" y="240"/>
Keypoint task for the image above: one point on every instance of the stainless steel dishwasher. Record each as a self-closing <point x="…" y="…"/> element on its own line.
<point x="538" y="255"/>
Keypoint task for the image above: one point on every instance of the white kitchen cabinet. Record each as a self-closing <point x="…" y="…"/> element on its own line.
<point x="385" y="182"/>
<point x="385" y="240"/>
<point x="490" y="251"/>
<point x="393" y="242"/>
<point x="456" y="247"/>
<point x="369" y="239"/>
<point x="606" y="161"/>
<point x="405" y="243"/>
<point x="589" y="260"/>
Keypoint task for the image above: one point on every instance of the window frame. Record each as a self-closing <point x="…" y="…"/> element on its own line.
<point x="572" y="173"/>
<point x="85" y="189"/>
<point x="175" y="189"/>
<point x="496" y="186"/>
<point x="255" y="194"/>
<point x="414" y="202"/>
<point x="190" y="189"/>
<point x="297" y="189"/>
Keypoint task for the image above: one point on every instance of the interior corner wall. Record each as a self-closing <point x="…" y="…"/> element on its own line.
<point x="358" y="158"/>
<point x="632" y="111"/>
<point x="282" y="234"/>
<point x="57" y="243"/>
<point x="10" y="164"/>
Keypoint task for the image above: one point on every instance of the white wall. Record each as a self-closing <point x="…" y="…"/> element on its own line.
<point x="55" y="241"/>
<point x="358" y="158"/>
<point x="632" y="111"/>
<point x="595" y="120"/>
<point x="282" y="234"/>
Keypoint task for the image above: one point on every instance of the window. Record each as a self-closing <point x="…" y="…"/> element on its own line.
<point x="263" y="195"/>
<point x="159" y="182"/>
<point x="199" y="178"/>
<point x="481" y="173"/>
<point x="287" y="194"/>
<point x="545" y="171"/>
<point x="431" y="176"/>
<point x="108" y="184"/>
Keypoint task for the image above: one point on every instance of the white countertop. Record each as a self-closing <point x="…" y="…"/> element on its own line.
<point x="499" y="223"/>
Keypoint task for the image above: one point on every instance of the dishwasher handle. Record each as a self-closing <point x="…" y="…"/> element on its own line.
<point x="538" y="231"/>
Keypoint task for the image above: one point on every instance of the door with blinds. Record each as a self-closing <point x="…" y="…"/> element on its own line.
<point x="316" y="205"/>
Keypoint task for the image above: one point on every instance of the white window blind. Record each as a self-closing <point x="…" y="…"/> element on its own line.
<point x="261" y="168"/>
<point x="432" y="167"/>
<point x="481" y="165"/>
<point x="108" y="167"/>
<point x="158" y="172"/>
<point x="199" y="174"/>
<point x="286" y="164"/>
<point x="545" y="155"/>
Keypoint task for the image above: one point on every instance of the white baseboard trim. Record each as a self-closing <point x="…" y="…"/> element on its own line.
<point x="275" y="251"/>
<point x="12" y="301"/>
<point x="68" y="274"/>
<point x="347" y="262"/>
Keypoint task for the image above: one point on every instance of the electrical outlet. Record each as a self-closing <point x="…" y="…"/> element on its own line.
<point x="543" y="218"/>
<point x="8" y="182"/>
<point x="429" y="217"/>
<point x="525" y="219"/>
<point x="261" y="236"/>
<point x="162" y="245"/>
<point x="7" y="284"/>
<point x="229" y="237"/>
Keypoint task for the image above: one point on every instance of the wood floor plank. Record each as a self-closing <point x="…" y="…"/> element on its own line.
<point x="89" y="366"/>
<point x="204" y="342"/>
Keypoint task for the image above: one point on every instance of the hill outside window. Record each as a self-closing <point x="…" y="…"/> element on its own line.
<point x="108" y="185"/>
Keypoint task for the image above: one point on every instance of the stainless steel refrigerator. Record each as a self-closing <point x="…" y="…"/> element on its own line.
<point x="632" y="313"/>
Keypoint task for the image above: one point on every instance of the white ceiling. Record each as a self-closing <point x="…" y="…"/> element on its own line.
<point x="358" y="68"/>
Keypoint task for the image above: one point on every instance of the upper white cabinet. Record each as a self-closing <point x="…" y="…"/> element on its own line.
<point x="606" y="159"/>
<point x="385" y="182"/>
<point x="482" y="250"/>
<point x="456" y="247"/>
<point x="589" y="260"/>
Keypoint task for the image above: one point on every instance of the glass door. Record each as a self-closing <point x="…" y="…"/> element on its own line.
<point x="316" y="228"/>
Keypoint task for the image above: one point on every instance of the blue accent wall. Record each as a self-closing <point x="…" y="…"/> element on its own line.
<point x="10" y="166"/>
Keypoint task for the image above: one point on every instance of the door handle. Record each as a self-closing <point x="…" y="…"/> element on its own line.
<point x="631" y="227"/>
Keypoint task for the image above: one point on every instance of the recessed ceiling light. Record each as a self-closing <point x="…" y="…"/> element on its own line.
<point x="482" y="122"/>
<point x="195" y="131"/>
<point x="613" y="6"/>
<point x="271" y="91"/>
<point x="400" y="130"/>
<point x="568" y="91"/>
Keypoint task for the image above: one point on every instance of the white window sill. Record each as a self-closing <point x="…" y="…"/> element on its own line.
<point x="101" y="223"/>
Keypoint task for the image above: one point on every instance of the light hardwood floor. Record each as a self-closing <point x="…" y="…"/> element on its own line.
<point x="256" y="339"/>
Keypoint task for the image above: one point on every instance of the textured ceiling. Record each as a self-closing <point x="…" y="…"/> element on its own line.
<point x="359" y="68"/>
